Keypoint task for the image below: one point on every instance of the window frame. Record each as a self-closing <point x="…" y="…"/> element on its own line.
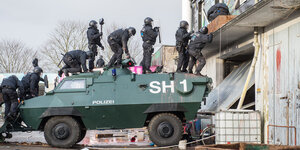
<point x="58" y="88"/>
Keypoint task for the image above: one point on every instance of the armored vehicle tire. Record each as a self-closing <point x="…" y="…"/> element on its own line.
<point x="82" y="135"/>
<point x="62" y="131"/>
<point x="165" y="129"/>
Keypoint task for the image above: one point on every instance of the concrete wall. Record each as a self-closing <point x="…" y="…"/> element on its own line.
<point x="277" y="80"/>
<point x="214" y="68"/>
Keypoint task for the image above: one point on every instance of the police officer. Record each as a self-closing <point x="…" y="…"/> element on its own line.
<point x="93" y="36"/>
<point x="74" y="60"/>
<point x="182" y="40"/>
<point x="197" y="43"/>
<point x="149" y="36"/>
<point x="31" y="83"/>
<point x="117" y="41"/>
<point x="100" y="62"/>
<point x="35" y="63"/>
<point x="10" y="96"/>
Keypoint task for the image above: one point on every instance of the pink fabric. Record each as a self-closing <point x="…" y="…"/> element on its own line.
<point x="62" y="77"/>
<point x="136" y="69"/>
<point x="153" y="68"/>
<point x="139" y="69"/>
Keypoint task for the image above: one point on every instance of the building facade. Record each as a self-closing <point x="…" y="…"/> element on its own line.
<point x="275" y="90"/>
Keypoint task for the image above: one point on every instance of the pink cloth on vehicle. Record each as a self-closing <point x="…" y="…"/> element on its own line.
<point x="139" y="69"/>
<point x="136" y="69"/>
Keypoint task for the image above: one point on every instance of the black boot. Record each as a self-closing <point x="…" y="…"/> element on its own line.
<point x="185" y="71"/>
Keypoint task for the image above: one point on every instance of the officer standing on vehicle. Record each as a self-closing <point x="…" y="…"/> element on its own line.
<point x="149" y="36"/>
<point x="182" y="40"/>
<point x="197" y="43"/>
<point x="100" y="62"/>
<point x="74" y="60"/>
<point x="93" y="36"/>
<point x="31" y="83"/>
<point x="10" y="96"/>
<point x="117" y="41"/>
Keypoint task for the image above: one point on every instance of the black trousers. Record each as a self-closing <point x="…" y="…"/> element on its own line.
<point x="71" y="67"/>
<point x="147" y="56"/>
<point x="10" y="98"/>
<point x="118" y="52"/>
<point x="92" y="48"/>
<point x="183" y="60"/>
<point x="194" y="56"/>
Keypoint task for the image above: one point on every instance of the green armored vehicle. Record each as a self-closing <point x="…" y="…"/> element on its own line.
<point x="115" y="99"/>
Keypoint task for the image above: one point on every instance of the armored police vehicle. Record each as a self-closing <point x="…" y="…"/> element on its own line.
<point x="115" y="99"/>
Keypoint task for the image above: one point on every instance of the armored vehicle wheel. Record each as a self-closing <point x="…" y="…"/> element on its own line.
<point x="82" y="135"/>
<point x="62" y="131"/>
<point x="165" y="129"/>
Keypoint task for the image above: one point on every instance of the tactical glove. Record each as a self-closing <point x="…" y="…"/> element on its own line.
<point x="156" y="29"/>
<point x="191" y="32"/>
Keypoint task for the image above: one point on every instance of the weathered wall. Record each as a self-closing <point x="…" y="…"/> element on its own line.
<point x="214" y="68"/>
<point x="166" y="56"/>
<point x="277" y="80"/>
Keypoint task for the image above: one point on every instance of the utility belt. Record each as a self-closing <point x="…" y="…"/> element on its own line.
<point x="180" y="46"/>
<point x="92" y="43"/>
<point x="149" y="42"/>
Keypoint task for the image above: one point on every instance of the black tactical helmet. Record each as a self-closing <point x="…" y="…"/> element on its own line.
<point x="38" y="70"/>
<point x="131" y="31"/>
<point x="183" y="24"/>
<point x="203" y="30"/>
<point x="35" y="62"/>
<point x="148" y="21"/>
<point x="93" y="23"/>
<point x="89" y="54"/>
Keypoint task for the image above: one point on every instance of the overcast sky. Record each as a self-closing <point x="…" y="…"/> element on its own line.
<point x="31" y="21"/>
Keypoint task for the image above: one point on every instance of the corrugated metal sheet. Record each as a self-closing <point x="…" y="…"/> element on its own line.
<point x="229" y="90"/>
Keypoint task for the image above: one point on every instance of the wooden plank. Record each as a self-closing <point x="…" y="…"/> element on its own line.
<point x="219" y="22"/>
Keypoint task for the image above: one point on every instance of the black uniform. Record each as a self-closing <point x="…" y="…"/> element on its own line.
<point x="35" y="63"/>
<point x="149" y="36"/>
<point x="197" y="43"/>
<point x="31" y="85"/>
<point x="93" y="36"/>
<point x="117" y="42"/>
<point x="100" y="63"/>
<point x="74" y="60"/>
<point x="10" y="96"/>
<point x="182" y="40"/>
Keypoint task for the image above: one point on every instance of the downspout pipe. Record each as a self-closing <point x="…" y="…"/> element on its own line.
<point x="252" y="68"/>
